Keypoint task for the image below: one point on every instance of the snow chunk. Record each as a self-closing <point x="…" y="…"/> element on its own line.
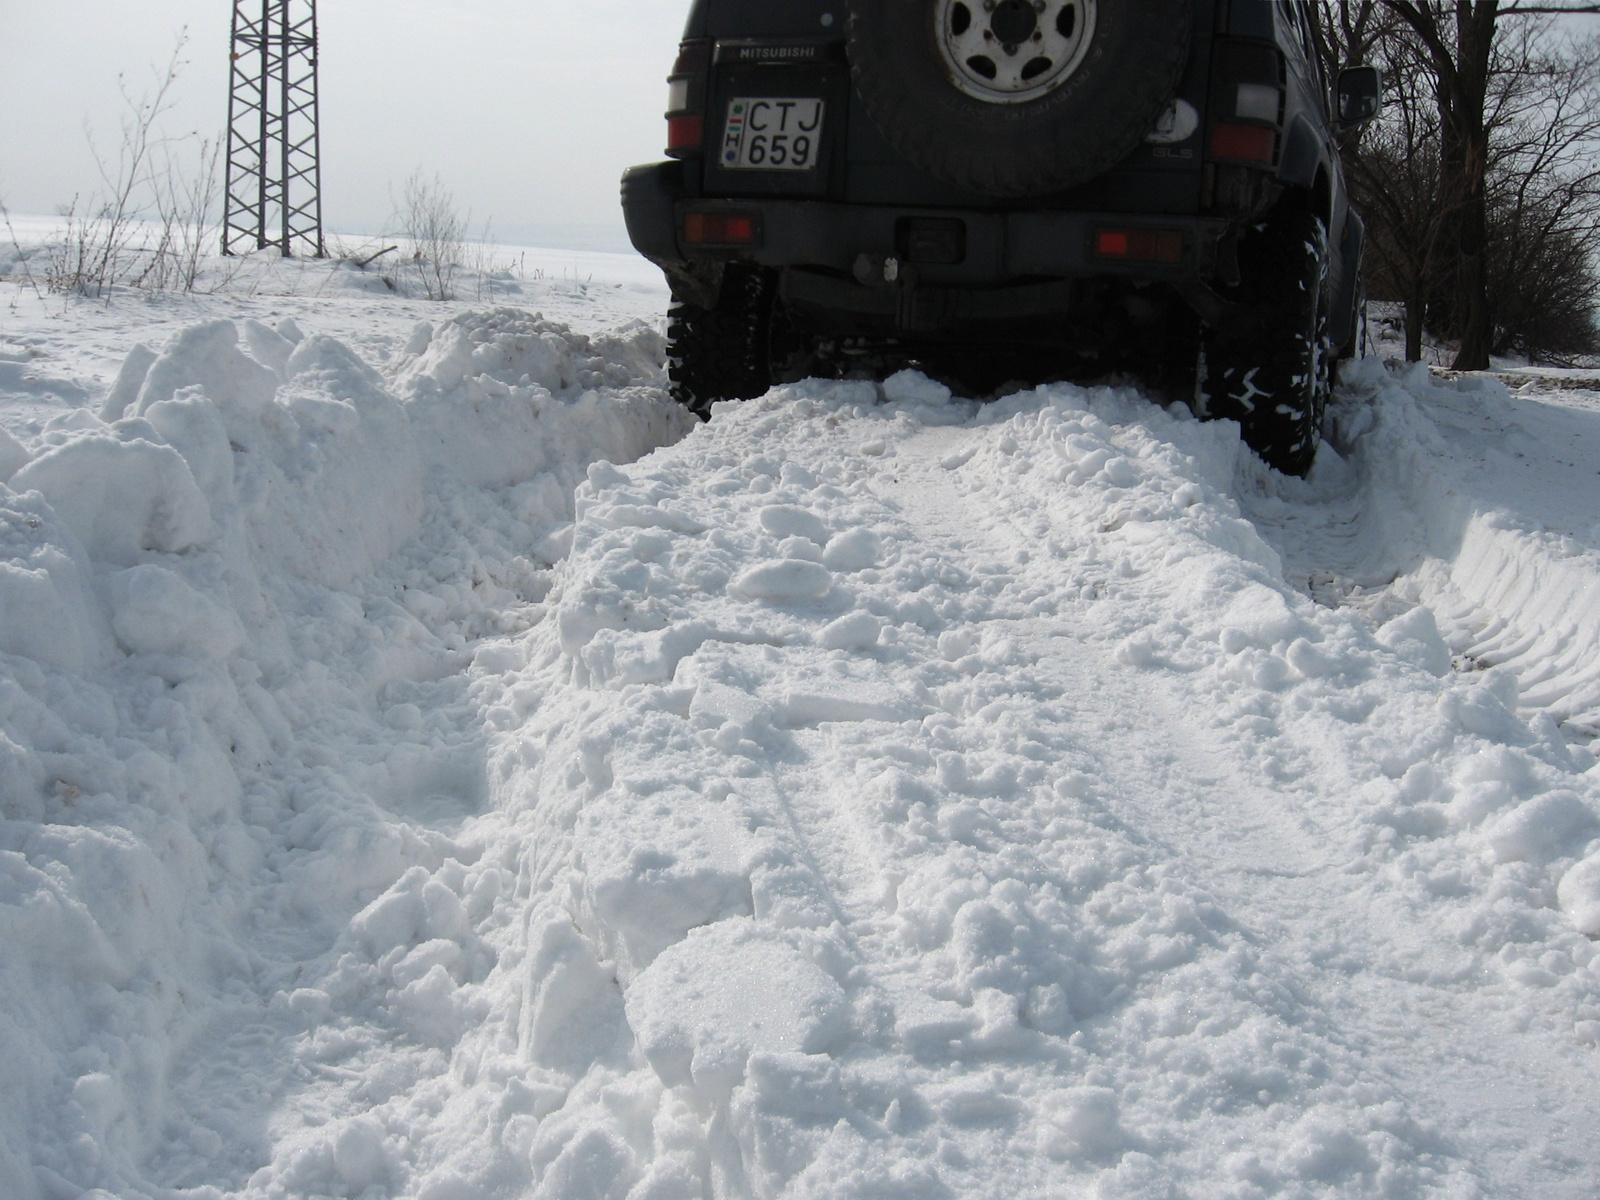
<point x="359" y="1153"/>
<point x="789" y="579"/>
<point x="417" y="906"/>
<point x="498" y="397"/>
<point x="788" y="520"/>
<point x="269" y="347"/>
<point x="1537" y="828"/>
<point x="916" y="388"/>
<point x="1481" y="710"/>
<point x="1258" y="615"/>
<point x="1579" y="896"/>
<point x="344" y="486"/>
<point x="47" y="610"/>
<point x="853" y="631"/>
<point x="130" y="378"/>
<point x="853" y="550"/>
<point x="508" y="345"/>
<point x="156" y="612"/>
<point x="1415" y="638"/>
<point x="575" y="1008"/>
<point x="723" y="993"/>
<point x="121" y="498"/>
<point x="193" y="426"/>
<point x="683" y="868"/>
<point x="207" y="356"/>
<point x="1082" y="1122"/>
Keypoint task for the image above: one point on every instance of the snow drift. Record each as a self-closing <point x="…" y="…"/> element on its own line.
<point x="867" y="794"/>
<point x="190" y="601"/>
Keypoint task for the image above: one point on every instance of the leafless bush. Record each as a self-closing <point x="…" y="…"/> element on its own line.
<point x="97" y="243"/>
<point x="427" y="218"/>
<point x="489" y="270"/>
<point x="147" y="223"/>
<point x="185" y="201"/>
<point x="22" y="255"/>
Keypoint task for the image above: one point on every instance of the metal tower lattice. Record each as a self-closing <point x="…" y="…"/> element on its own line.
<point x="273" y="185"/>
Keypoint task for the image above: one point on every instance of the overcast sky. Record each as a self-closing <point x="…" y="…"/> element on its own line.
<point x="528" y="109"/>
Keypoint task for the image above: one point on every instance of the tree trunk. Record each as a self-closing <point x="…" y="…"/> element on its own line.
<point x="1475" y="34"/>
<point x="1461" y="60"/>
<point x="1416" y="307"/>
<point x="1477" y="327"/>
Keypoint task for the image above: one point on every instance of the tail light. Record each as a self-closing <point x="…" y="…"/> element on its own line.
<point x="685" y="132"/>
<point x="1246" y="143"/>
<point x="713" y="229"/>
<point x="1139" y="245"/>
<point x="686" y="99"/>
<point x="1246" y="102"/>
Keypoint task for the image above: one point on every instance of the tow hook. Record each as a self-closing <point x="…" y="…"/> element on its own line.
<point x="873" y="269"/>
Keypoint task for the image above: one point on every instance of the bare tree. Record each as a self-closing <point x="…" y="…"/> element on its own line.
<point x="1460" y="39"/>
<point x="1397" y="175"/>
<point x="1542" y="193"/>
<point x="1479" y="181"/>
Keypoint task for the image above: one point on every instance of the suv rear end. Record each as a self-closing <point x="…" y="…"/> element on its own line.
<point x="843" y="197"/>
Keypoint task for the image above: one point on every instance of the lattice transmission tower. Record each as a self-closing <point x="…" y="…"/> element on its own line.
<point x="273" y="184"/>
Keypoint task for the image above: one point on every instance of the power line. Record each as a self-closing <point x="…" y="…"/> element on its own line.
<point x="273" y="183"/>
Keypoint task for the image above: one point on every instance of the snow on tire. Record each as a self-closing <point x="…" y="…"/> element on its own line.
<point x="721" y="352"/>
<point x="1271" y="371"/>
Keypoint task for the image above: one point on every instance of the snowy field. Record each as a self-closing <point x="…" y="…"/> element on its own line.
<point x="433" y="767"/>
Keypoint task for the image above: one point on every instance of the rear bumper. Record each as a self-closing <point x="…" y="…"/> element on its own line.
<point x="1001" y="248"/>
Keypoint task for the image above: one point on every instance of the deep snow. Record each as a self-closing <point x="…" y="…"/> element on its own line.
<point x="434" y="767"/>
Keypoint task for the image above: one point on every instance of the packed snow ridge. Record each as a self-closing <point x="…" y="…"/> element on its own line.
<point x="471" y="778"/>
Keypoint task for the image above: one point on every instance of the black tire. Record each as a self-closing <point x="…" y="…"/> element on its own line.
<point x="1356" y="347"/>
<point x="1090" y="121"/>
<point x="722" y="352"/>
<point x="1270" y="372"/>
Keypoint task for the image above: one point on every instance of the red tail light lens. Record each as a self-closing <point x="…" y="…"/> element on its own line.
<point x="686" y="98"/>
<point x="1139" y="245"/>
<point x="1248" y="83"/>
<point x="684" y="133"/>
<point x="722" y="229"/>
<point x="1247" y="143"/>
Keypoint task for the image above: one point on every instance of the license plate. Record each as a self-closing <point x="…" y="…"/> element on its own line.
<point x="772" y="133"/>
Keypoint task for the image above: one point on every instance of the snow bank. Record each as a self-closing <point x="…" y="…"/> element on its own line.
<point x="481" y="391"/>
<point x="203" y="590"/>
<point x="1508" y="590"/>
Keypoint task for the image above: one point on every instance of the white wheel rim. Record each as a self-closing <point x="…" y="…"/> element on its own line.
<point x="1012" y="51"/>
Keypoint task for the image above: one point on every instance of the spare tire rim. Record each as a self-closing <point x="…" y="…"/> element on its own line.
<point x="1012" y="51"/>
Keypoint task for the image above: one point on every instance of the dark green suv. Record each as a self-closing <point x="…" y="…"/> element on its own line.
<point x="1011" y="190"/>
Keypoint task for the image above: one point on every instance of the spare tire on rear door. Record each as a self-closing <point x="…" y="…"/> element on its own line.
<point x="1017" y="97"/>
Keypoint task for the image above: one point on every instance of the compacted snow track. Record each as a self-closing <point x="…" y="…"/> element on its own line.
<point x="865" y="794"/>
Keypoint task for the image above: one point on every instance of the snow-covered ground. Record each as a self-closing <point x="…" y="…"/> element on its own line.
<point x="431" y="766"/>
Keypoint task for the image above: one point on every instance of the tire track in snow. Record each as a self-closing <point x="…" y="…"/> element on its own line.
<point x="1462" y="498"/>
<point x="1085" y="668"/>
<point x="1309" y="892"/>
<point x="1040" y="987"/>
